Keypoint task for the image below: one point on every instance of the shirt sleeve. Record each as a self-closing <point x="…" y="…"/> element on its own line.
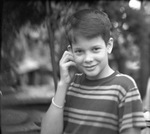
<point x="131" y="110"/>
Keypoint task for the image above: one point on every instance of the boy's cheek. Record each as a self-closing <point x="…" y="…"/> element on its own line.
<point x="77" y="60"/>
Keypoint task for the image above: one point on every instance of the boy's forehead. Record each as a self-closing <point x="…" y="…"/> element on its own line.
<point x="83" y="42"/>
<point x="80" y="39"/>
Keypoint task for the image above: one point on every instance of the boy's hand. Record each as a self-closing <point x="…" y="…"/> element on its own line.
<point x="66" y="61"/>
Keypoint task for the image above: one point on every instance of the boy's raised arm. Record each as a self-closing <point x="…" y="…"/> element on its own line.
<point x="52" y="122"/>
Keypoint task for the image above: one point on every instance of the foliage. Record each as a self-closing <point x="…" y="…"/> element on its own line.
<point x="129" y="28"/>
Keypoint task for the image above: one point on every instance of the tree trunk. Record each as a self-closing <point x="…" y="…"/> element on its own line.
<point x="51" y="44"/>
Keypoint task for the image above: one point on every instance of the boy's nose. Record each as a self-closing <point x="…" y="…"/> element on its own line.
<point x="88" y="58"/>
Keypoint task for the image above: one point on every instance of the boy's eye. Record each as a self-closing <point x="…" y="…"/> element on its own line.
<point x="96" y="49"/>
<point x="78" y="51"/>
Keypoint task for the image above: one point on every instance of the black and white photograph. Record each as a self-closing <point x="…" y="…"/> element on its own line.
<point x="75" y="67"/>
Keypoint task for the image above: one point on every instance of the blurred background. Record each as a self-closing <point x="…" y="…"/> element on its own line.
<point x="33" y="40"/>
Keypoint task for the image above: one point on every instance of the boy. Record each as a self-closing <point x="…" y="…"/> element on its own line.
<point x="99" y="100"/>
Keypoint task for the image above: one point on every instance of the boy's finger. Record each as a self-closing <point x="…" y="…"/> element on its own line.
<point x="67" y="57"/>
<point x="70" y="63"/>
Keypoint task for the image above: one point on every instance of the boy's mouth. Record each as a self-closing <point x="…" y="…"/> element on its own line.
<point x="90" y="68"/>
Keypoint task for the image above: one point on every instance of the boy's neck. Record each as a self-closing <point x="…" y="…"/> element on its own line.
<point x="105" y="73"/>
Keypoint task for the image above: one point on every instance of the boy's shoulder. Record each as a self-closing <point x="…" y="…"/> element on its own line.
<point x="125" y="81"/>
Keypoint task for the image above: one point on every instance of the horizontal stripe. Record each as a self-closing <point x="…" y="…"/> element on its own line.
<point x="131" y="97"/>
<point x="133" y="119"/>
<point x="95" y="93"/>
<point x="100" y="90"/>
<point x="137" y="124"/>
<point x="107" y="92"/>
<point x="120" y="91"/>
<point x="89" y="123"/>
<point x="134" y="98"/>
<point x="92" y="113"/>
<point x="132" y="93"/>
<point x="117" y="87"/>
<point x="91" y="118"/>
<point x="103" y="97"/>
<point x="131" y="115"/>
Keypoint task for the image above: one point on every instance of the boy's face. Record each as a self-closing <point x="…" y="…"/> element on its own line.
<point x="91" y="56"/>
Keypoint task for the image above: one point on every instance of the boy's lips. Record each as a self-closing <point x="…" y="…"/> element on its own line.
<point x="89" y="68"/>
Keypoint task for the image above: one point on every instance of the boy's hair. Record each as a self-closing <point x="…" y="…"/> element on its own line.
<point x="88" y="23"/>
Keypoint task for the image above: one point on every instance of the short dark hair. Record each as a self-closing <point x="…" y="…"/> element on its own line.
<point x="88" y="23"/>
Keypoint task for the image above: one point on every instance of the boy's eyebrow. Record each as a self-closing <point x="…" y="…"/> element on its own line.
<point x="77" y="48"/>
<point x="97" y="45"/>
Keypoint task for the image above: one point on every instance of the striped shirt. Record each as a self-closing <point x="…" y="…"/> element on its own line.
<point x="105" y="106"/>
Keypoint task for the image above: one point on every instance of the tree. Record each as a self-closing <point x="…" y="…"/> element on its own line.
<point x="129" y="29"/>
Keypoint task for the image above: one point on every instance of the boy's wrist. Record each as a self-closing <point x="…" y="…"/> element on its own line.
<point x="63" y="83"/>
<point x="62" y="87"/>
<point x="59" y="98"/>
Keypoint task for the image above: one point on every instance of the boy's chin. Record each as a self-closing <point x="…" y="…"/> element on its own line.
<point x="91" y="75"/>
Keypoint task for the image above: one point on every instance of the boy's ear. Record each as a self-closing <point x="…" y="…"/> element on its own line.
<point x="110" y="45"/>
<point x="69" y="48"/>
